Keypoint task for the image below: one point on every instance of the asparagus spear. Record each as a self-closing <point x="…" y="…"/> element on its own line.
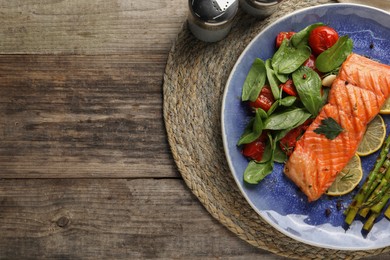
<point x="375" y="211"/>
<point x="387" y="212"/>
<point x="382" y="175"/>
<point x="377" y="194"/>
<point x="370" y="222"/>
<point x="366" y="190"/>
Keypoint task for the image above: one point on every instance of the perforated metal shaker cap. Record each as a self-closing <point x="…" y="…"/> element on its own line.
<point x="213" y="11"/>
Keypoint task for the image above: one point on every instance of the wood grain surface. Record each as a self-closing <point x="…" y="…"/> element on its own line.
<point x="112" y="219"/>
<point x="78" y="116"/>
<point x="85" y="168"/>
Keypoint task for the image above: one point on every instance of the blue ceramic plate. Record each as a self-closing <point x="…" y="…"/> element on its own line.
<point x="276" y="199"/>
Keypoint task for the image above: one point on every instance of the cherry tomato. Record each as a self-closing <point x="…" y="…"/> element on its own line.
<point x="288" y="142"/>
<point x="289" y="88"/>
<point x="265" y="99"/>
<point x="255" y="149"/>
<point x="322" y="38"/>
<point x="281" y="36"/>
<point x="311" y="63"/>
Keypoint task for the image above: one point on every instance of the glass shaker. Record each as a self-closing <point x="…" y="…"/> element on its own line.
<point x="260" y="8"/>
<point x="211" y="20"/>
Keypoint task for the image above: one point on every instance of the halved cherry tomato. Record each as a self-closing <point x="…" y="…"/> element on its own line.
<point x="311" y="63"/>
<point x="265" y="99"/>
<point x="255" y="149"/>
<point x="288" y="142"/>
<point x="322" y="38"/>
<point x="289" y="88"/>
<point x="281" y="36"/>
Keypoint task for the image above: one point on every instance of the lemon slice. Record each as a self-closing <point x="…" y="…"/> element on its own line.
<point x="385" y="109"/>
<point x="348" y="178"/>
<point x="373" y="137"/>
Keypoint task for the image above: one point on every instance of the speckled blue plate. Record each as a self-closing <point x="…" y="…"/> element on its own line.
<point x="276" y="199"/>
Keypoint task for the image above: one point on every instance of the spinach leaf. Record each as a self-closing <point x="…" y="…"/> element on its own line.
<point x="272" y="80"/>
<point x="287" y="101"/>
<point x="279" y="155"/>
<point x="335" y="55"/>
<point x="254" y="81"/>
<point x="278" y="135"/>
<point x="325" y="95"/>
<point x="286" y="119"/>
<point x="262" y="113"/>
<point x="308" y="85"/>
<point x="267" y="153"/>
<point x="281" y="133"/>
<point x="255" y="172"/>
<point x="253" y="129"/>
<point x="302" y="36"/>
<point x="288" y="58"/>
<point x="272" y="109"/>
<point x="281" y="77"/>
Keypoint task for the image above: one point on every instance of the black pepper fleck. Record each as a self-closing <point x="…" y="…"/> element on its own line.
<point x="328" y="212"/>
<point x="338" y="205"/>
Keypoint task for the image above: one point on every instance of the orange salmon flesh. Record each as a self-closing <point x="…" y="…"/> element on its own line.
<point x="355" y="98"/>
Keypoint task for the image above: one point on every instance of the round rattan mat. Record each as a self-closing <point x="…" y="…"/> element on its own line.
<point x="194" y="82"/>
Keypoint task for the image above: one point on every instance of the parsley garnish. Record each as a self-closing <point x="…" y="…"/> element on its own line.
<point x="329" y="127"/>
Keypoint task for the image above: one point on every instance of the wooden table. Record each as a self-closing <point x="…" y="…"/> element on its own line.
<point x="85" y="168"/>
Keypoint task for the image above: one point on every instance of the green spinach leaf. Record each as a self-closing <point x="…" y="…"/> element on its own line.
<point x="253" y="129"/>
<point x="254" y="81"/>
<point x="287" y="101"/>
<point x="308" y="85"/>
<point x="272" y="80"/>
<point x="279" y="155"/>
<point x="278" y="135"/>
<point x="281" y="77"/>
<point x="272" y="109"/>
<point x="256" y="172"/>
<point x="286" y="119"/>
<point x="302" y="36"/>
<point x="335" y="55"/>
<point x="288" y="58"/>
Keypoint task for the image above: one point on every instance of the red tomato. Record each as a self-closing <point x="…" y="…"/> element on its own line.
<point x="322" y="38"/>
<point x="288" y="142"/>
<point x="255" y="150"/>
<point x="281" y="36"/>
<point x="289" y="88"/>
<point x="311" y="63"/>
<point x="265" y="99"/>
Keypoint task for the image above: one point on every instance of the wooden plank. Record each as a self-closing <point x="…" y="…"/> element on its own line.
<point x="89" y="26"/>
<point x="83" y="116"/>
<point x="111" y="219"/>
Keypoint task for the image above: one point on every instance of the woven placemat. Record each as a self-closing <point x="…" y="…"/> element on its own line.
<point x="194" y="82"/>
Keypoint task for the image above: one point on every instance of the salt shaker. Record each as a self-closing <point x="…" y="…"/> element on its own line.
<point x="259" y="8"/>
<point x="211" y="20"/>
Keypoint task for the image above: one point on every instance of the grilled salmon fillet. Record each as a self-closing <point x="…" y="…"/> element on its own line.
<point x="356" y="96"/>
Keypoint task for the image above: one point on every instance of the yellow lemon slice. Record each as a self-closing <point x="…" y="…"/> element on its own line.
<point x="348" y="178"/>
<point x="373" y="137"/>
<point x="385" y="109"/>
